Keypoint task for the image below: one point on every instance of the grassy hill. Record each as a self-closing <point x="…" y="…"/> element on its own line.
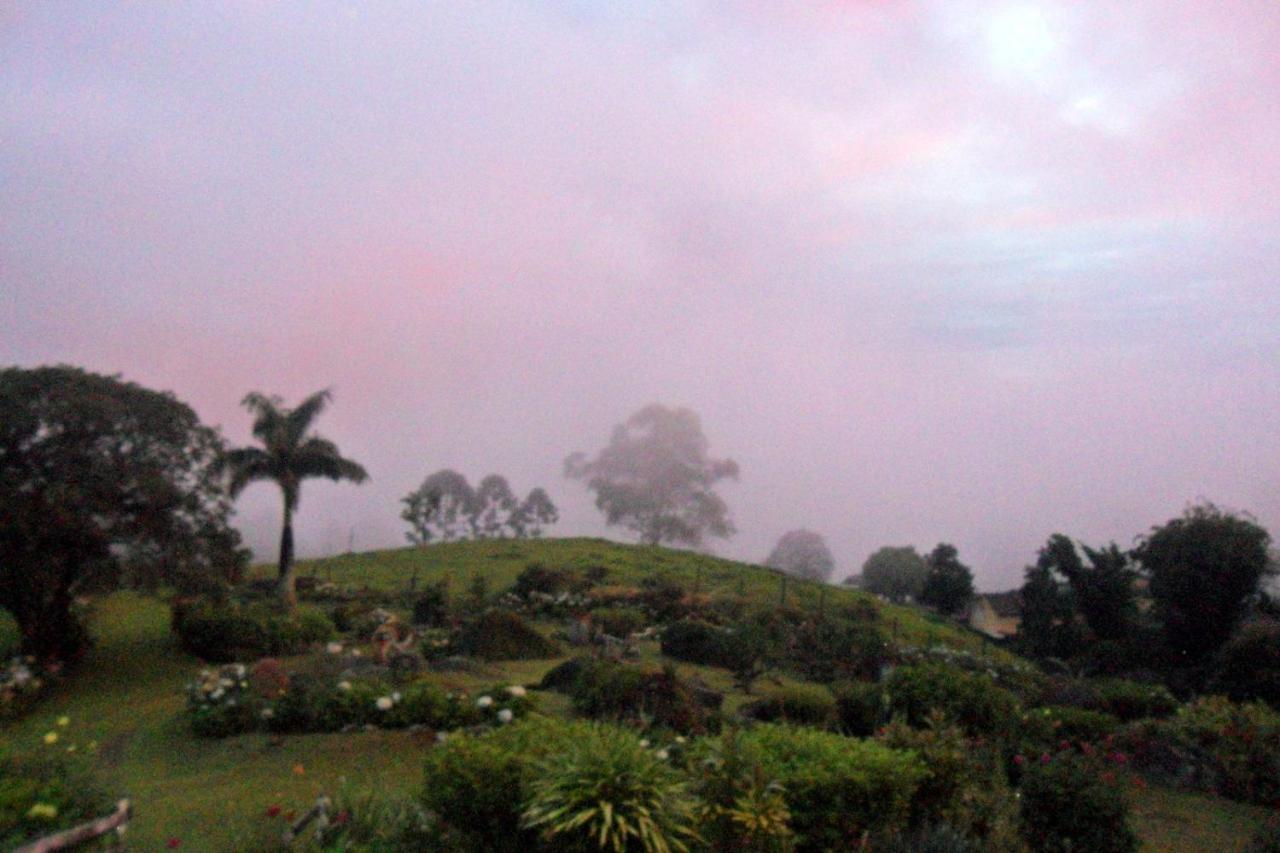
<point x="126" y="705"/>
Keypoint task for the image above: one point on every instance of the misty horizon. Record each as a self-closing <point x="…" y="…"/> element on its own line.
<point x="927" y="276"/>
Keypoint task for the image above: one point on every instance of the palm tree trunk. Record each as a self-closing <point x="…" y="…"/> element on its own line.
<point x="288" y="590"/>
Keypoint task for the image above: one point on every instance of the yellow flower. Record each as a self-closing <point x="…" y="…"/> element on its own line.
<point x="51" y="737"/>
<point x="43" y="810"/>
<point x="64" y="721"/>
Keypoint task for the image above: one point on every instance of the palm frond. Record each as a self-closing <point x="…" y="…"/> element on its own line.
<point x="247" y="465"/>
<point x="268" y="415"/>
<point x="298" y="420"/>
<point x="319" y="457"/>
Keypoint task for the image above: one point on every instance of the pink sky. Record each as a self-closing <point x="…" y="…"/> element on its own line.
<point x="929" y="271"/>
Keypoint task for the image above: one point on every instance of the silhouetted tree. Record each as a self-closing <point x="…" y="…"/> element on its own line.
<point x="895" y="573"/>
<point x="804" y="554"/>
<point x="948" y="585"/>
<point x="290" y="453"/>
<point x="1205" y="568"/>
<point x="494" y="504"/>
<point x="102" y="482"/>
<point x="439" y="507"/>
<point x="655" y="478"/>
<point x="534" y="513"/>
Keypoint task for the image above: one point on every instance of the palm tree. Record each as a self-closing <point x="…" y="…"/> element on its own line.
<point x="288" y="456"/>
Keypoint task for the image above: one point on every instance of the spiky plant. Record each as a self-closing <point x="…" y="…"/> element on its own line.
<point x="289" y="455"/>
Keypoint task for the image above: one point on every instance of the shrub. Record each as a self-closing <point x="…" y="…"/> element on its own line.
<point x="431" y="608"/>
<point x="1250" y="664"/>
<point x="836" y="789"/>
<point x="614" y="691"/>
<point x="619" y="621"/>
<point x="860" y="707"/>
<point x="828" y="650"/>
<point x="801" y="704"/>
<point x="1070" y="803"/>
<point x="536" y="577"/>
<point x="1045" y="728"/>
<point x="1267" y="838"/>
<point x="604" y="790"/>
<point x="1212" y="744"/>
<point x="42" y="795"/>
<point x="475" y="786"/>
<point x="503" y="635"/>
<point x="971" y="700"/>
<point x="220" y="703"/>
<point x="741" y="808"/>
<point x="697" y="642"/>
<point x="1131" y="700"/>
<point x="662" y="598"/>
<point x="964" y="790"/>
<point x="224" y="632"/>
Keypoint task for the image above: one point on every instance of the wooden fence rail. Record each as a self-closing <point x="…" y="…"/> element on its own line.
<point x="115" y="821"/>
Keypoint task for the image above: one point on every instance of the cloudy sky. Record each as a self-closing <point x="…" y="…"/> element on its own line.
<point x="973" y="272"/>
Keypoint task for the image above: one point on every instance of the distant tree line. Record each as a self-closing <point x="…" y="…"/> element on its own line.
<point x="446" y="508"/>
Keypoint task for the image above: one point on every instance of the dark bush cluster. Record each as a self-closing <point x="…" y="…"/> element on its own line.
<point x="221" y="632"/>
<point x="503" y="635"/>
<point x="610" y="690"/>
<point x="971" y="700"/>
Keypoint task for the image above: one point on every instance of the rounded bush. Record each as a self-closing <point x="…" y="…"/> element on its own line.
<point x="800" y="704"/>
<point x="972" y="700"/>
<point x="1069" y="804"/>
<point x="503" y="635"/>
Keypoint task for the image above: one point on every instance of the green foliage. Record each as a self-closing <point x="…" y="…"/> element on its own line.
<point x="226" y="631"/>
<point x="1071" y="802"/>
<point x="1102" y="592"/>
<point x="802" y="554"/>
<point x="604" y="791"/>
<point x="1049" y="727"/>
<point x="1204" y="568"/>
<point x="536" y="577"/>
<point x="948" y="586"/>
<point x="619" y="621"/>
<point x="655" y="478"/>
<point x="1249" y="667"/>
<point x="475" y="786"/>
<point x="1132" y="700"/>
<point x="1049" y="628"/>
<point x="828" y="650"/>
<point x="609" y="690"/>
<point x="860" y="707"/>
<point x="800" y="704"/>
<point x="697" y="642"/>
<point x="965" y="788"/>
<point x="22" y="683"/>
<point x="1213" y="744"/>
<point x="896" y="573"/>
<point x="741" y="809"/>
<point x="1267" y="839"/>
<point x="102" y="482"/>
<point x="835" y="788"/>
<point x="503" y="635"/>
<point x="431" y="608"/>
<point x="42" y="795"/>
<point x="971" y="700"/>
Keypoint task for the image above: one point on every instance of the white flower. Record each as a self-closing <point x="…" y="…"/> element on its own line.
<point x="516" y="690"/>
<point x="344" y="686"/>
<point x="226" y="682"/>
<point x="661" y="755"/>
<point x="505" y="715"/>
<point x="680" y="739"/>
<point x="441" y="737"/>
<point x="384" y="703"/>
<point x="484" y="701"/>
<point x="217" y="694"/>
<point x="334" y="648"/>
<point x="267" y="713"/>
<point x="644" y="744"/>
<point x="395" y="697"/>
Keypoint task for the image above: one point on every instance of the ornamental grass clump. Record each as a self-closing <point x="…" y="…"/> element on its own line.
<point x="605" y="791"/>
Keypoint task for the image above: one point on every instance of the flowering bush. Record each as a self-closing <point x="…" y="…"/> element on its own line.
<point x="972" y="700"/>
<point x="1044" y="728"/>
<point x="230" y="700"/>
<point x="221" y="703"/>
<point x="1072" y="800"/>
<point x="1213" y="744"/>
<point x="43" y="792"/>
<point x="21" y="684"/>
<point x="615" y="691"/>
<point x="1024" y="680"/>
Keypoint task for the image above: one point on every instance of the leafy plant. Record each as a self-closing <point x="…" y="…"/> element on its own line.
<point x="801" y="704"/>
<point x="606" y="791"/>
<point x="1070" y="802"/>
<point x="503" y="635"/>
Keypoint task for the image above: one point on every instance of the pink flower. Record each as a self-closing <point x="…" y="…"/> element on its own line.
<point x="1017" y="759"/>
<point x="1044" y="758"/>
<point x="172" y="843"/>
<point x="273" y="811"/>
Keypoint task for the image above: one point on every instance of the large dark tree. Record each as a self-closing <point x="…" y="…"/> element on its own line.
<point x="290" y="453"/>
<point x="804" y="554"/>
<point x="102" y="482"/>
<point x="439" y="508"/>
<point x="948" y="586"/>
<point x="656" y="478"/>
<point x="895" y="573"/>
<point x="1205" y="568"/>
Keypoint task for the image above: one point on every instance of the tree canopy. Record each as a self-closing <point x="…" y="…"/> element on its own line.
<point x="446" y="507"/>
<point x="290" y="453"/>
<point x="896" y="573"/>
<point x="656" y="478"/>
<point x="102" y="482"/>
<point x="804" y="554"/>
<point x="1205" y="568"/>
<point x="948" y="585"/>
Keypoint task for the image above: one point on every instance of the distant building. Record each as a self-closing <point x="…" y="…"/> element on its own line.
<point x="996" y="614"/>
